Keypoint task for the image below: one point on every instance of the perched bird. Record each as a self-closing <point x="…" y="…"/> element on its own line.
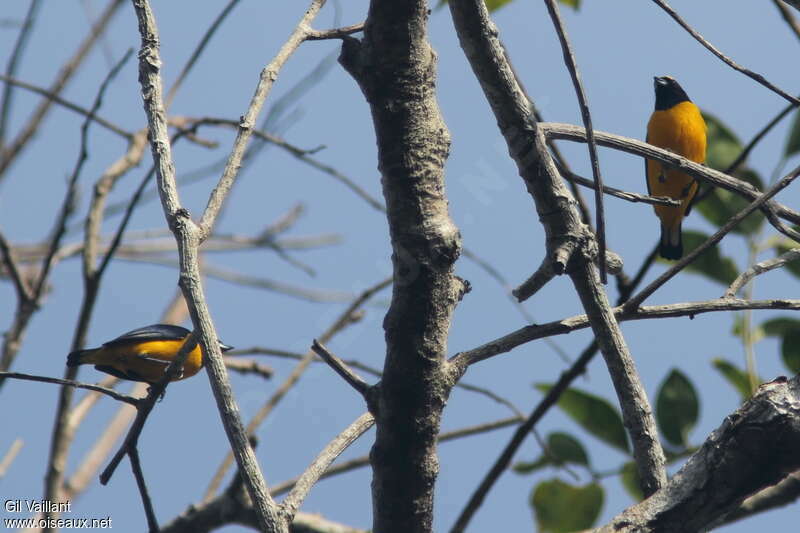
<point x="675" y="125"/>
<point x="143" y="354"/>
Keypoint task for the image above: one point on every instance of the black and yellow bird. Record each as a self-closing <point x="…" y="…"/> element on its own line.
<point x="143" y="354"/>
<point x="675" y="125"/>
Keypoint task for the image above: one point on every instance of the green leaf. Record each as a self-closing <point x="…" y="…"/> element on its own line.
<point x="780" y="326"/>
<point x="723" y="146"/>
<point x="711" y="264"/>
<point x="574" y="4"/>
<point x="733" y="375"/>
<point x="630" y="480"/>
<point x="562" y="448"/>
<point x="561" y="507"/>
<point x="677" y="408"/>
<point x="790" y="351"/>
<point x="792" y="266"/>
<point x="789" y="331"/>
<point x="719" y="206"/>
<point x="594" y="414"/>
<point x="793" y="141"/>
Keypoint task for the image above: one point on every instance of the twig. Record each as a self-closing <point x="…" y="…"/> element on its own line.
<point x="136" y="466"/>
<point x="248" y="366"/>
<point x="362" y="461"/>
<point x="788" y="17"/>
<point x="11" y="66"/>
<point x="189" y="236"/>
<point x="530" y="333"/>
<point x="335" y="33"/>
<point x="711" y="241"/>
<point x="733" y="167"/>
<point x="760" y="268"/>
<point x="632" y="197"/>
<point x="341" y="368"/>
<point x="248" y="120"/>
<point x="69" y="383"/>
<point x="9" y="457"/>
<point x="572" y="67"/>
<point x="110" y="126"/>
<point x="20" y="285"/>
<point x="15" y="147"/>
<point x="642" y="149"/>
<point x="711" y="48"/>
<point x="198" y="50"/>
<point x="341" y="322"/>
<point x="538" y="279"/>
<point x="320" y="465"/>
<point x="146" y="405"/>
<point x="502" y="462"/>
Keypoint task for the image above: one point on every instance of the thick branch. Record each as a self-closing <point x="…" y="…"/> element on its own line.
<point x="396" y="68"/>
<point x="754" y="448"/>
<point x="570" y="245"/>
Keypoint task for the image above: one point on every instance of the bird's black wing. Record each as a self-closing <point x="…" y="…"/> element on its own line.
<point x="154" y="332"/>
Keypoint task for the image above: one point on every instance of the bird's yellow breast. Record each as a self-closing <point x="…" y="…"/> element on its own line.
<point x="680" y="129"/>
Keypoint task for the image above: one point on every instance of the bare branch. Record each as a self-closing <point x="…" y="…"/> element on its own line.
<point x="11" y="67"/>
<point x="248" y="120"/>
<point x="760" y="268"/>
<point x="248" y="366"/>
<point x="538" y="279"/>
<point x="136" y="466"/>
<point x="530" y="333"/>
<point x="335" y="33"/>
<point x="711" y="48"/>
<point x="572" y="67"/>
<point x="711" y="241"/>
<point x="86" y="113"/>
<point x="334" y="449"/>
<point x="8" y="458"/>
<point x="778" y="495"/>
<point x="632" y="197"/>
<point x="634" y="146"/>
<point x="69" y="383"/>
<point x="15" y="147"/>
<point x="753" y="449"/>
<point x="24" y="293"/>
<point x="341" y="368"/>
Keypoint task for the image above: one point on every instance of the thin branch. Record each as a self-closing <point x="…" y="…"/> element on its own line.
<point x="504" y="460"/>
<point x="14" y="149"/>
<point x="714" y="239"/>
<point x="530" y="333"/>
<point x="642" y="149"/>
<point x="779" y="495"/>
<point x="760" y="268"/>
<point x="320" y="465"/>
<point x="136" y="466"/>
<point x="632" y="197"/>
<point x="711" y="48"/>
<point x="24" y="292"/>
<point x="788" y="17"/>
<point x="86" y="113"/>
<point x="248" y="366"/>
<point x="341" y="368"/>
<point x="70" y="383"/>
<point x="6" y="102"/>
<point x="536" y="281"/>
<point x="342" y="321"/>
<point x="335" y="33"/>
<point x="198" y="50"/>
<point x="572" y="67"/>
<point x="248" y="121"/>
<point x="8" y="458"/>
<point x="359" y="462"/>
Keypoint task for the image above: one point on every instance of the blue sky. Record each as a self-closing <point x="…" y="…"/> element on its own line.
<point x="619" y="46"/>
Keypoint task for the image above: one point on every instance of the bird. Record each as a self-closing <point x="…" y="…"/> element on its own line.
<point x="143" y="354"/>
<point x="675" y="125"/>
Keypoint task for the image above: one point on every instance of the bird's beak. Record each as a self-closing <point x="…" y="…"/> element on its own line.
<point x="224" y="347"/>
<point x="659" y="80"/>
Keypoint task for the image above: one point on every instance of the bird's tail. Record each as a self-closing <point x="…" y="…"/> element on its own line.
<point x="78" y="357"/>
<point x="671" y="246"/>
